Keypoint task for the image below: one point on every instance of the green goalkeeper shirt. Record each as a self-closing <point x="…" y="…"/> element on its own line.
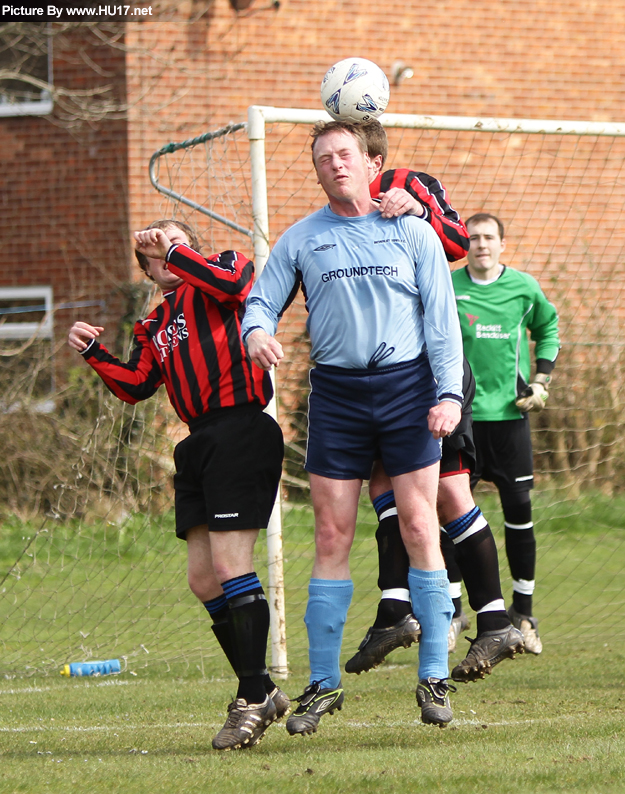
<point x="495" y="319"/>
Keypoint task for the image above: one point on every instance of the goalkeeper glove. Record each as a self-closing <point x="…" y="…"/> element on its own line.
<point x="535" y="396"/>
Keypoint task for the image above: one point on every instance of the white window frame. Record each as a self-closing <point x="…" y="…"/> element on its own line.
<point x="19" y="330"/>
<point x="40" y="108"/>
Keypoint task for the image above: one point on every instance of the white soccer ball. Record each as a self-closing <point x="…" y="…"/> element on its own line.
<point x="355" y="90"/>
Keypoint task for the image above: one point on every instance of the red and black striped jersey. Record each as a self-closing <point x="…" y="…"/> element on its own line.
<point x="192" y="341"/>
<point x="438" y="211"/>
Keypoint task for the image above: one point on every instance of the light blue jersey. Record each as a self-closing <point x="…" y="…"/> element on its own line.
<point x="378" y="291"/>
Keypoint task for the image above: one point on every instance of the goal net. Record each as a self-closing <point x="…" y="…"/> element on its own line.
<point x="91" y="564"/>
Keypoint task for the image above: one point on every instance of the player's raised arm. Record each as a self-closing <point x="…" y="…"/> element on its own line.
<point x="436" y="208"/>
<point x="227" y="277"/>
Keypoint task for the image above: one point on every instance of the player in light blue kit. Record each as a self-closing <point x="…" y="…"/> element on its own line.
<point x="387" y="383"/>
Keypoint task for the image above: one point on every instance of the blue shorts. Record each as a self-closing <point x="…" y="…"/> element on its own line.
<point x="358" y="415"/>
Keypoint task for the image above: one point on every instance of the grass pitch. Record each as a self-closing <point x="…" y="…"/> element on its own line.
<point x="537" y="724"/>
<point x="553" y="723"/>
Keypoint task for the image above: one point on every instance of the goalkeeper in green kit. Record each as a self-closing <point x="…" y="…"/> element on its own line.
<point x="497" y="306"/>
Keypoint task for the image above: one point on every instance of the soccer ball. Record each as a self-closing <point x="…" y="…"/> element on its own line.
<point x="355" y="90"/>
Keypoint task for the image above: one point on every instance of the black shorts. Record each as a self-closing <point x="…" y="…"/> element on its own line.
<point x="228" y="470"/>
<point x="504" y="454"/>
<point x="458" y="449"/>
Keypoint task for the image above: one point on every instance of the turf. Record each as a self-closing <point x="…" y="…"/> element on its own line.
<point x="538" y="724"/>
<point x="549" y="723"/>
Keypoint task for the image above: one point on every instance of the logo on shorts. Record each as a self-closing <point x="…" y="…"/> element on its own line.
<point x="226" y="515"/>
<point x="325" y="247"/>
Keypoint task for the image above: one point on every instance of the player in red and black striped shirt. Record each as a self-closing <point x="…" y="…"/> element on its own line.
<point x="228" y="468"/>
<point x="436" y="209"/>
<point x="191" y="342"/>
<point x="403" y="190"/>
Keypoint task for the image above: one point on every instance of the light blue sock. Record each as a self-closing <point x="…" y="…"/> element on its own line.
<point x="328" y="602"/>
<point x="433" y="608"/>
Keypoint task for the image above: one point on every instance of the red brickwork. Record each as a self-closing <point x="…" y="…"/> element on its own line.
<point x="196" y="65"/>
<point x="71" y="197"/>
<point x="65" y="191"/>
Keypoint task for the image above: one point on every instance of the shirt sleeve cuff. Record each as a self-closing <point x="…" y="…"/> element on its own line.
<point x="250" y="331"/>
<point x="171" y="250"/>
<point x="452" y="398"/>
<point x="90" y="348"/>
<point x="545" y="366"/>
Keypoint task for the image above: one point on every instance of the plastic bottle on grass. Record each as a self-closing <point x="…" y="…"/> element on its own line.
<point x="92" y="668"/>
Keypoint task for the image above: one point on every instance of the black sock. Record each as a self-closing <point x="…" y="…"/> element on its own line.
<point x="492" y="621"/>
<point x="221" y="631"/>
<point x="248" y="621"/>
<point x="218" y="609"/>
<point x="393" y="563"/>
<point x="476" y="555"/>
<point x="520" y="549"/>
<point x="390" y="612"/>
<point x="457" y="602"/>
<point x="479" y="562"/>
<point x="522" y="603"/>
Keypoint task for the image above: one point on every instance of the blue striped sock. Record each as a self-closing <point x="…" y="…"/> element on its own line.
<point x="383" y="501"/>
<point x="242" y="585"/>
<point x="459" y="525"/>
<point x="216" y="605"/>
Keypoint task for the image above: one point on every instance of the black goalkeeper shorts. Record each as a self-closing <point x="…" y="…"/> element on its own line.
<point x="228" y="470"/>
<point x="504" y="454"/>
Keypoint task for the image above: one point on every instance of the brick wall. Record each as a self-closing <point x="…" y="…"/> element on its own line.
<point x="65" y="190"/>
<point x="513" y="58"/>
<point x="72" y="196"/>
<point x="196" y="66"/>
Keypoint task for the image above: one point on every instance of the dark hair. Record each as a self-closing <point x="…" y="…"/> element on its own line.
<point x="322" y="128"/>
<point x="480" y="217"/>
<point x="377" y="142"/>
<point x="163" y="224"/>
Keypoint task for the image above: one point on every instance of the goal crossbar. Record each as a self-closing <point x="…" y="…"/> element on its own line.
<point x="456" y="123"/>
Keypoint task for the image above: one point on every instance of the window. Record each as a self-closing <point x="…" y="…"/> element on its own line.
<point x="26" y="313"/>
<point x="25" y="50"/>
<point x="26" y="349"/>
